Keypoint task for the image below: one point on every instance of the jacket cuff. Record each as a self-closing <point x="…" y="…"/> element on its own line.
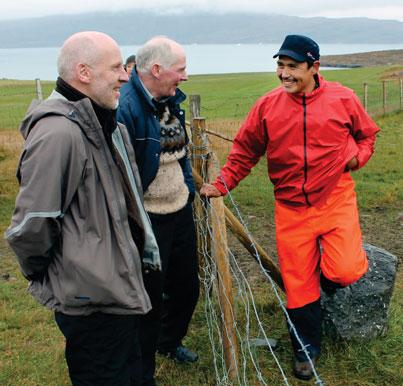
<point x="220" y="186"/>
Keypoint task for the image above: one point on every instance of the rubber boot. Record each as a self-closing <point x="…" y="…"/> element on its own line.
<point x="307" y="321"/>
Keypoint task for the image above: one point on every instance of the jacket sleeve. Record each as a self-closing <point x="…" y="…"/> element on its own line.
<point x="49" y="172"/>
<point x="249" y="145"/>
<point x="363" y="131"/>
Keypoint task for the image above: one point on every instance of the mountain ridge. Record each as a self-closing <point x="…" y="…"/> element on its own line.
<point x="134" y="27"/>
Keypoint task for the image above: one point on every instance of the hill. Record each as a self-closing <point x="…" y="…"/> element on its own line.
<point x="134" y="27"/>
<point x="364" y="59"/>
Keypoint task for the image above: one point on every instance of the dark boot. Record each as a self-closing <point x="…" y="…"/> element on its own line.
<point x="307" y="321"/>
<point x="328" y="286"/>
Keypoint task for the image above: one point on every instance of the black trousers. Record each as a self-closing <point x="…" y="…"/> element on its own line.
<point x="101" y="349"/>
<point x="174" y="292"/>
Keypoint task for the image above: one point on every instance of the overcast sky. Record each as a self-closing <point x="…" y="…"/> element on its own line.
<point x="375" y="9"/>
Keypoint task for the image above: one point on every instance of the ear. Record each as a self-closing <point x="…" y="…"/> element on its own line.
<point x="156" y="70"/>
<point x="315" y="66"/>
<point x="83" y="73"/>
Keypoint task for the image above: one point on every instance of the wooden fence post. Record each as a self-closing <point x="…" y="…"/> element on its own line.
<point x="39" y="94"/>
<point x="200" y="152"/>
<point x="224" y="280"/>
<point x="384" y="96"/>
<point x="194" y="106"/>
<point x="199" y="146"/>
<point x="366" y="97"/>
<point x="241" y="234"/>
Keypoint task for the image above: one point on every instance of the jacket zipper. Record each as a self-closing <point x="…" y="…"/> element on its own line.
<point x="120" y="201"/>
<point x="305" y="154"/>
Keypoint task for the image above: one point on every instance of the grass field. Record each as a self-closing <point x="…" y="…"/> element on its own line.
<point x="32" y="348"/>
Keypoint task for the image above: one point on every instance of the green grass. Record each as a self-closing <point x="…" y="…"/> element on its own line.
<point x="32" y="348"/>
<point x="232" y="95"/>
<point x="15" y="97"/>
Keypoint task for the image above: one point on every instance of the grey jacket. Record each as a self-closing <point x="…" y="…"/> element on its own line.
<point x="70" y="228"/>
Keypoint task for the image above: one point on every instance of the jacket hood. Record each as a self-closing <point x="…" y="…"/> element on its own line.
<point x="80" y="112"/>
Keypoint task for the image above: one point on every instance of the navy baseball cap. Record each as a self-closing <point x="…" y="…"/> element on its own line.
<point x="300" y="48"/>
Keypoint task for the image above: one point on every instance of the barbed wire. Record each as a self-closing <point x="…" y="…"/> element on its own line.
<point x="214" y="313"/>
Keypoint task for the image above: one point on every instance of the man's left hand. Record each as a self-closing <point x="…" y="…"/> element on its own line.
<point x="352" y="164"/>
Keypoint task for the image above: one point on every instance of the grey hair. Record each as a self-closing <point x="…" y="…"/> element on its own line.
<point x="81" y="49"/>
<point x="156" y="50"/>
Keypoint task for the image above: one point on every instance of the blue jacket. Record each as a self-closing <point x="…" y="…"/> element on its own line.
<point x="137" y="112"/>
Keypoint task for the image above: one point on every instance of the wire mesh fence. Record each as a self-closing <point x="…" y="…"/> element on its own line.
<point x="225" y="114"/>
<point x="382" y="97"/>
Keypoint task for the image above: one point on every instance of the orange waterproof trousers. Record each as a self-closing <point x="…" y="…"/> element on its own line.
<point x="315" y="239"/>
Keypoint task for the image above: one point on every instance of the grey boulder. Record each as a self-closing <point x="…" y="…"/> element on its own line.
<point x="361" y="310"/>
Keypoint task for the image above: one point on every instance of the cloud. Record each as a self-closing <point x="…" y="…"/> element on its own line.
<point x="342" y="8"/>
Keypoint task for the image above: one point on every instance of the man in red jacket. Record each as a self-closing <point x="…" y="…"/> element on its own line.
<point x="314" y="133"/>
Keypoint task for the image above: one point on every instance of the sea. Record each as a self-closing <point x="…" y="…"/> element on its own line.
<point x="32" y="63"/>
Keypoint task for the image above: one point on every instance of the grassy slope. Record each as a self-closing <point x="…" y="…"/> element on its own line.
<point x="31" y="347"/>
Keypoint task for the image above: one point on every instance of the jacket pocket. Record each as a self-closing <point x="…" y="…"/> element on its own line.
<point x="351" y="151"/>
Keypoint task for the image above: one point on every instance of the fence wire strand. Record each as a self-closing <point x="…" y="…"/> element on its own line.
<point x="243" y="301"/>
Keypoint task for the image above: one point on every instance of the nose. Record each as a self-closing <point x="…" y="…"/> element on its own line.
<point x="184" y="77"/>
<point x="283" y="73"/>
<point x="124" y="76"/>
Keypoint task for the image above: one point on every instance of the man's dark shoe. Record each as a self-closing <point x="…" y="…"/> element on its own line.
<point x="303" y="370"/>
<point x="180" y="354"/>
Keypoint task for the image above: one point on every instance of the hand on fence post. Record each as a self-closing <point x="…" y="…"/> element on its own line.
<point x="208" y="190"/>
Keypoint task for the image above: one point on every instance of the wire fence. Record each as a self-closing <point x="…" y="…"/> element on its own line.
<point x="255" y="366"/>
<point x="382" y="98"/>
<point x="225" y="114"/>
<point x="238" y="327"/>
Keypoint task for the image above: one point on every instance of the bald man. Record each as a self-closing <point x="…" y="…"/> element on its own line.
<point x="150" y="108"/>
<point x="79" y="228"/>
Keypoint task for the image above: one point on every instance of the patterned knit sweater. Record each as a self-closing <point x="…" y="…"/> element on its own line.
<point x="168" y="193"/>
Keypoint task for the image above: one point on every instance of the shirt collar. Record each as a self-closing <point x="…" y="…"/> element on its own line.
<point x="162" y="100"/>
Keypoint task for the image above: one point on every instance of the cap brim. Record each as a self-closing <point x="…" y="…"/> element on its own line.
<point x="292" y="55"/>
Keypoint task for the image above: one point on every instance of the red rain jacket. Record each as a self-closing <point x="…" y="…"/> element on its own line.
<point x="308" y="140"/>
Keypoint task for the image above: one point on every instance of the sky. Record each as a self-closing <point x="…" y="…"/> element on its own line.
<point x="374" y="9"/>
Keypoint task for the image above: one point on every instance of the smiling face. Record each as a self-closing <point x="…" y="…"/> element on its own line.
<point x="169" y="78"/>
<point x="295" y="76"/>
<point x="107" y="75"/>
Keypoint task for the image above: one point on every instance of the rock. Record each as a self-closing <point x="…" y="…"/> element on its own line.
<point x="361" y="309"/>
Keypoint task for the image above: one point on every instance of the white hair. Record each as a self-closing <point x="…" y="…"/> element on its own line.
<point x="158" y="49"/>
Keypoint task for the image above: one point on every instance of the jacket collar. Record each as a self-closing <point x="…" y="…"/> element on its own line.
<point x="80" y="112"/>
<point x="310" y="97"/>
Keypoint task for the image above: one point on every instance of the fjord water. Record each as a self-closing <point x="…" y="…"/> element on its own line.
<point x="31" y="63"/>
